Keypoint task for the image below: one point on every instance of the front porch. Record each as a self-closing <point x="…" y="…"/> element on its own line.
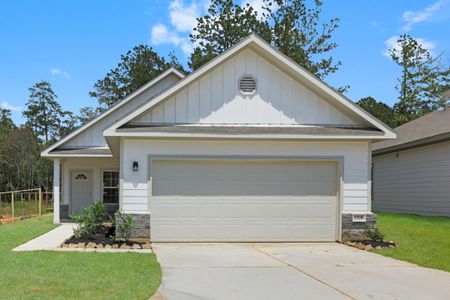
<point x="80" y="181"/>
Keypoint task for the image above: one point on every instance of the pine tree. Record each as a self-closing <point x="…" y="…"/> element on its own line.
<point x="137" y="67"/>
<point x="225" y="25"/>
<point x="43" y="114"/>
<point x="294" y="27"/>
<point x="6" y="123"/>
<point x="423" y="79"/>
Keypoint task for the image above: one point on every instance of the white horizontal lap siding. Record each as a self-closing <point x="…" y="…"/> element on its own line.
<point x="134" y="184"/>
<point x="215" y="98"/>
<point x="417" y="181"/>
<point x="93" y="136"/>
<point x="355" y="158"/>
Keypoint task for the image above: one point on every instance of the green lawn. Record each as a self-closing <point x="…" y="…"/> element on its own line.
<point x="70" y="275"/>
<point x="421" y="240"/>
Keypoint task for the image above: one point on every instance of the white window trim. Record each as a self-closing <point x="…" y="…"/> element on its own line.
<point x="103" y="186"/>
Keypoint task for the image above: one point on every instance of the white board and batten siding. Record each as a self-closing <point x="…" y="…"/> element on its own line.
<point x="415" y="181"/>
<point x="354" y="155"/>
<point x="215" y="99"/>
<point x="93" y="136"/>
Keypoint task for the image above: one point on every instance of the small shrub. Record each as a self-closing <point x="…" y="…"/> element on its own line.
<point x="124" y="225"/>
<point x="91" y="220"/>
<point x="375" y="235"/>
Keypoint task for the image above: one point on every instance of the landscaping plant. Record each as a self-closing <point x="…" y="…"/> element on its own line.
<point x="375" y="235"/>
<point x="91" y="220"/>
<point x="124" y="225"/>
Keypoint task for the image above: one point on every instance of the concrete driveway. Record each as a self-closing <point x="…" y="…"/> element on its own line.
<point x="291" y="271"/>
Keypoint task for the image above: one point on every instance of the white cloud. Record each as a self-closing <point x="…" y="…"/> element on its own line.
<point x="411" y="18"/>
<point x="57" y="72"/>
<point x="6" y="105"/>
<point x="160" y="34"/>
<point x="391" y="43"/>
<point x="184" y="17"/>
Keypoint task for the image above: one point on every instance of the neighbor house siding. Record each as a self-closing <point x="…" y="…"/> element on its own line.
<point x="216" y="99"/>
<point x="413" y="181"/>
<point x="355" y="157"/>
<point x="93" y="136"/>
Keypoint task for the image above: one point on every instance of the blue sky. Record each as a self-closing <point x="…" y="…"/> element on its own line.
<point x="72" y="44"/>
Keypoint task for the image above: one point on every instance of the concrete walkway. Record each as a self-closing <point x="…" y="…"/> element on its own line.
<point x="291" y="271"/>
<point x="54" y="238"/>
<point x="50" y="240"/>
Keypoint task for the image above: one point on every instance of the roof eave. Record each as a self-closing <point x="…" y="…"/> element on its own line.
<point x="46" y="152"/>
<point x="413" y="144"/>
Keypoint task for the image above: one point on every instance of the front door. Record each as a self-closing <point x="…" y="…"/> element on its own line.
<point x="81" y="192"/>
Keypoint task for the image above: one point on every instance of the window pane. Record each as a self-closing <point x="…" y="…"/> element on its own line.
<point x="111" y="195"/>
<point x="110" y="187"/>
<point x="115" y="179"/>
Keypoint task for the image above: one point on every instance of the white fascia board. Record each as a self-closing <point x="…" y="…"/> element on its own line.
<point x="76" y="155"/>
<point x="253" y="39"/>
<point x="46" y="152"/>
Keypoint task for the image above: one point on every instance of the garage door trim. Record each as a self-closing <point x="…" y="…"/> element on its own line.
<point x="339" y="160"/>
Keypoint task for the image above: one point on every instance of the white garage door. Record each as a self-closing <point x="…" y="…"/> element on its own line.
<point x="242" y="200"/>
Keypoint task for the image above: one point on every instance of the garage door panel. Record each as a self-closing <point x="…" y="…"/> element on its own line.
<point x="243" y="187"/>
<point x="243" y="201"/>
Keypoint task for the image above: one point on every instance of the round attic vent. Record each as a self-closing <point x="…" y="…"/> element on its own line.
<point x="247" y="85"/>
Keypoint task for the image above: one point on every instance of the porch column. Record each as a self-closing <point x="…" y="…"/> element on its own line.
<point x="56" y="190"/>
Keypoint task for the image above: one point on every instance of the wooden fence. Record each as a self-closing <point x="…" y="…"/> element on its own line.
<point x="16" y="205"/>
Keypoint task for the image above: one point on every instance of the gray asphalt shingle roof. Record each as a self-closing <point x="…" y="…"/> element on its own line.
<point x="428" y="128"/>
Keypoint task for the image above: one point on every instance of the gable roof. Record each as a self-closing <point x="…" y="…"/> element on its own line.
<point x="431" y="128"/>
<point x="274" y="56"/>
<point x="171" y="71"/>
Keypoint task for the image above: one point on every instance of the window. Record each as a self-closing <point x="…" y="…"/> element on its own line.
<point x="81" y="176"/>
<point x="110" y="187"/>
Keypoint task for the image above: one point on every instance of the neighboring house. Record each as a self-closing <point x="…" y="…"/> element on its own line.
<point x="412" y="173"/>
<point x="250" y="147"/>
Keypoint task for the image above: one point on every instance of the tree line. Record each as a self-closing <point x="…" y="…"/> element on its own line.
<point x="294" y="27"/>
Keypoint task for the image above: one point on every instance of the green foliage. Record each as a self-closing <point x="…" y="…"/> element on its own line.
<point x="225" y="25"/>
<point x="44" y="114"/>
<point x="6" y="123"/>
<point x="20" y="160"/>
<point x="374" y="235"/>
<point x="379" y="110"/>
<point x="293" y="27"/>
<point x="423" y="80"/>
<point x="91" y="220"/>
<point x="137" y="67"/>
<point x="299" y="33"/>
<point x="124" y="225"/>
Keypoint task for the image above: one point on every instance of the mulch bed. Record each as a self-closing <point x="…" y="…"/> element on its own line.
<point x="103" y="242"/>
<point x="370" y="244"/>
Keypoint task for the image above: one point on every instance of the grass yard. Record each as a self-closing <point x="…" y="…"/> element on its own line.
<point x="70" y="275"/>
<point x="424" y="241"/>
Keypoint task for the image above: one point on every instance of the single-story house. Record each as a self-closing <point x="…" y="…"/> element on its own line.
<point x="250" y="147"/>
<point x="412" y="173"/>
